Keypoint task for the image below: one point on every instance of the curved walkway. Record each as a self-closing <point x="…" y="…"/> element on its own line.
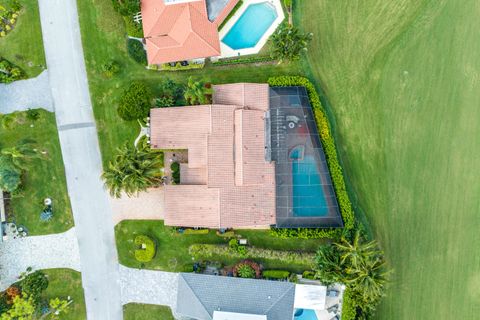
<point x="39" y="252"/>
<point x="26" y="94"/>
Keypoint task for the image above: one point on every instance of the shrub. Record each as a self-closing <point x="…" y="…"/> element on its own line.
<point x="230" y="15"/>
<point x="164" y="102"/>
<point x="225" y="62"/>
<point x="227" y="234"/>
<point x="178" y="66"/>
<point x="210" y="250"/>
<point x="175" y="167"/>
<point x="247" y="269"/>
<point x="133" y="29"/>
<point x="33" y="114"/>
<point x="147" y="253"/>
<point x="135" y="102"/>
<point x="110" y="68"/>
<point x="306" y="233"/>
<point x="126" y="7"/>
<point x="34" y="284"/>
<point x="196" y="231"/>
<point x="349" y="306"/>
<point x="276" y="274"/>
<point x="236" y="248"/>
<point x="12" y="292"/>
<point x="10" y="72"/>
<point x="136" y="51"/>
<point x="329" y="148"/>
<point x="308" y="275"/>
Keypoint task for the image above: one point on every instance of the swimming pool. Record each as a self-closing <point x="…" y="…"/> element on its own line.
<point x="251" y="26"/>
<point x="308" y="195"/>
<point x="305" y="314"/>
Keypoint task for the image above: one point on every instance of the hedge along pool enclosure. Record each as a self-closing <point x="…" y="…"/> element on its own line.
<point x="305" y="196"/>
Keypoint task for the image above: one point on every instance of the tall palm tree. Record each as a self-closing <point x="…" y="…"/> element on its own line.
<point x="196" y="92"/>
<point x="356" y="251"/>
<point x="133" y="170"/>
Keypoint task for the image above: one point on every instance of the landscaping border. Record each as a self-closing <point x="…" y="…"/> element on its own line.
<point x="329" y="147"/>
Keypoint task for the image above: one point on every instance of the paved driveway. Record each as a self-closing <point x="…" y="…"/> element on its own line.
<point x="39" y="252"/>
<point x="81" y="156"/>
<point x="26" y="94"/>
<point x="147" y="205"/>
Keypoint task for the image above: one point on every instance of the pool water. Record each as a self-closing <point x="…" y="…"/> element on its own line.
<point x="305" y="314"/>
<point x="251" y="26"/>
<point x="308" y="195"/>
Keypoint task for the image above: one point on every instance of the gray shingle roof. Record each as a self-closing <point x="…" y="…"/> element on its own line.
<point x="200" y="295"/>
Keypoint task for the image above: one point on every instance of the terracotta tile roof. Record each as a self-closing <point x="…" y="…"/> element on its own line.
<point x="243" y="94"/>
<point x="239" y="185"/>
<point x="179" y="31"/>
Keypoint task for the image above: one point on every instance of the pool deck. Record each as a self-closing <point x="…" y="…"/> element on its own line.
<point x="228" y="52"/>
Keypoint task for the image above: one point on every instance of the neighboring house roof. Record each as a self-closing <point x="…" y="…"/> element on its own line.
<point x="178" y="31"/>
<point x="227" y="182"/>
<point x="199" y="296"/>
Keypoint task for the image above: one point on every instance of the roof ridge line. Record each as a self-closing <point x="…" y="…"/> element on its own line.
<point x="279" y="298"/>
<point x="188" y="285"/>
<point x="208" y="21"/>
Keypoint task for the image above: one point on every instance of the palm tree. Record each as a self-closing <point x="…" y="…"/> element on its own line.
<point x="356" y="251"/>
<point x="20" y="154"/>
<point x="288" y="43"/>
<point x="133" y="170"/>
<point x="196" y="92"/>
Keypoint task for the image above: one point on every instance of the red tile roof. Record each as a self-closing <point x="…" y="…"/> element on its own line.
<point x="178" y="31"/>
<point x="239" y="189"/>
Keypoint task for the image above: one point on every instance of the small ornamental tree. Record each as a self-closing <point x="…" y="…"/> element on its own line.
<point x="288" y="43"/>
<point x="135" y="102"/>
<point x="197" y="92"/>
<point x="34" y="284"/>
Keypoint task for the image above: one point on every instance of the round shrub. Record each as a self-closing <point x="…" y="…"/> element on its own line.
<point x="136" y="51"/>
<point x="245" y="271"/>
<point x="175" y="166"/>
<point x="145" y="248"/>
<point x="135" y="102"/>
<point x="110" y="68"/>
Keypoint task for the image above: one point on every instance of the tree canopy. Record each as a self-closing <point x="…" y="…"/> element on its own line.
<point x="135" y="102"/>
<point x="197" y="92"/>
<point x="289" y="43"/>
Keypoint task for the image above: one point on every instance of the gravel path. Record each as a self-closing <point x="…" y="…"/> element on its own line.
<point x="150" y="287"/>
<point x="26" y="94"/>
<point x="39" y="252"/>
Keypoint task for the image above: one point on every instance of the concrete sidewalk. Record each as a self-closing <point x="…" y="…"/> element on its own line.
<point x="81" y="156"/>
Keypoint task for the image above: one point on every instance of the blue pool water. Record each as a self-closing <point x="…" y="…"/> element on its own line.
<point x="308" y="196"/>
<point x="251" y="26"/>
<point x="305" y="314"/>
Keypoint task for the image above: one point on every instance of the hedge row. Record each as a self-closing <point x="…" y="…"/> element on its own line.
<point x="210" y="250"/>
<point x="179" y="67"/>
<point x="349" y="308"/>
<point x="225" y="62"/>
<point x="276" y="274"/>
<point x="234" y="10"/>
<point x="306" y="233"/>
<point x="328" y="144"/>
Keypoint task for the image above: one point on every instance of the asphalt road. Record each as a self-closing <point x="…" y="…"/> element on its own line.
<point x="81" y="155"/>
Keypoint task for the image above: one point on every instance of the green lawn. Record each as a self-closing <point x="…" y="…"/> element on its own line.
<point x="44" y="177"/>
<point x="136" y="311"/>
<point x="402" y="79"/>
<point x="172" y="248"/>
<point x="103" y="36"/>
<point x="64" y="283"/>
<point x="24" y="46"/>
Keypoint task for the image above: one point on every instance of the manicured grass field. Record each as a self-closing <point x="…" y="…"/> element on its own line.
<point x="136" y="311"/>
<point x="402" y="78"/>
<point x="103" y="36"/>
<point x="44" y="177"/>
<point x="172" y="248"/>
<point x="24" y="46"/>
<point x="64" y="283"/>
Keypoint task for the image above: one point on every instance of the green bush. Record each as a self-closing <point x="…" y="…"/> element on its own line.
<point x="10" y="72"/>
<point x="126" y="7"/>
<point x="133" y="29"/>
<point x="328" y="144"/>
<point x="179" y="67"/>
<point x="227" y="234"/>
<point x="276" y="274"/>
<point x="306" y="233"/>
<point x="144" y="254"/>
<point x="196" y="231"/>
<point x="210" y="250"/>
<point x="34" y="284"/>
<point x="225" y="62"/>
<point x="309" y="275"/>
<point x="175" y="167"/>
<point x="136" y="51"/>
<point x="245" y="271"/>
<point x="236" y="248"/>
<point x="135" y="102"/>
<point x="110" y="68"/>
<point x="230" y="15"/>
<point x="349" y="306"/>
<point x="163" y="102"/>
